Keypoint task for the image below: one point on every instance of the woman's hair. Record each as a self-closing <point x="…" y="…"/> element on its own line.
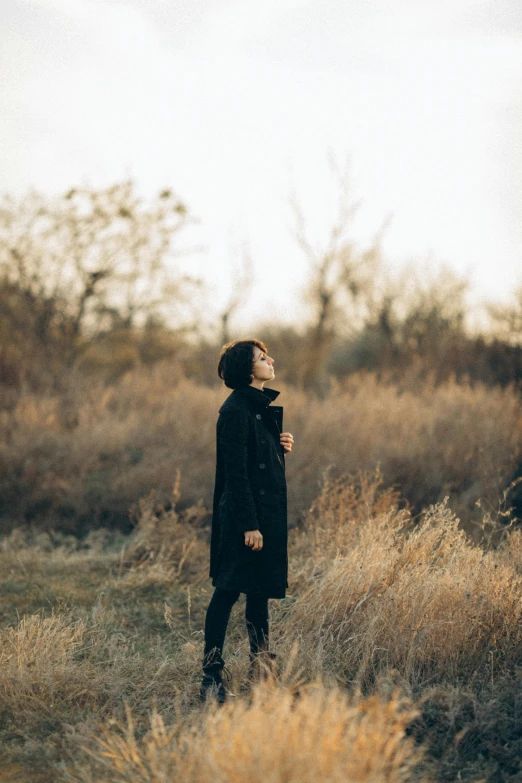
<point x="236" y="360"/>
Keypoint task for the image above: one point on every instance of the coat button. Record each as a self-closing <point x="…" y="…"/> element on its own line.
<point x="261" y="491"/>
<point x="258" y="415"/>
<point x="262" y="465"/>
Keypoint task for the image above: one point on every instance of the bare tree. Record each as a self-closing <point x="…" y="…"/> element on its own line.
<point x="92" y="259"/>
<point x="507" y="319"/>
<point x="341" y="274"/>
<point x="242" y="278"/>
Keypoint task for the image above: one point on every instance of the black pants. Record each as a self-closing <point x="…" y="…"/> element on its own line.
<point x="218" y="615"/>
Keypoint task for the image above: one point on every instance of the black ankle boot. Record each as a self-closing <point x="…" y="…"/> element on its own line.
<point x="212" y="685"/>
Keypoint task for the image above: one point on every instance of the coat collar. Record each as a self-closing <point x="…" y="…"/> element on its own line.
<point x="262" y="398"/>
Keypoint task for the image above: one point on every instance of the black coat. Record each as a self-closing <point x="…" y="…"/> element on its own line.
<point x="250" y="494"/>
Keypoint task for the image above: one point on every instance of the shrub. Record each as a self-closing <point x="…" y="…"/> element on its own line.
<point x="38" y="670"/>
<point x="427" y="603"/>
<point x="320" y="735"/>
<point x="166" y="537"/>
<point x="81" y="461"/>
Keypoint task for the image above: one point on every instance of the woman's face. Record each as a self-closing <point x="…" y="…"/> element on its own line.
<point x="262" y="367"/>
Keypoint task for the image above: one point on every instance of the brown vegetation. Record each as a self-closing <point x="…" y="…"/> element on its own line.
<point x="400" y="641"/>
<point x="399" y="646"/>
<point x="384" y="595"/>
<point x="91" y="286"/>
<point x="80" y="461"/>
<point x="321" y="735"/>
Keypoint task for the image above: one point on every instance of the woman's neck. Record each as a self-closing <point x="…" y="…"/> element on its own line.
<point x="258" y="384"/>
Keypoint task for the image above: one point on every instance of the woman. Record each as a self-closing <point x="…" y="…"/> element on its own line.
<point x="248" y="550"/>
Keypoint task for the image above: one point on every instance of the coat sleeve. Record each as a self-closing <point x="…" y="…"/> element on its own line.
<point x="233" y="444"/>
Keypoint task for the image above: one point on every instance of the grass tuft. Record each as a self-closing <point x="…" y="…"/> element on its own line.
<point x="279" y="735"/>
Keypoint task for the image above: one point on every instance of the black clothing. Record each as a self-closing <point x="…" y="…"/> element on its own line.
<point x="216" y="621"/>
<point x="212" y="685"/>
<point x="250" y="494"/>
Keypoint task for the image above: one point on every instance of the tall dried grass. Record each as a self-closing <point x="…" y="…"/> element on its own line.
<point x="164" y="536"/>
<point x="39" y="673"/>
<point x="381" y="602"/>
<point x="320" y="736"/>
<point x="451" y="440"/>
<point x="83" y="459"/>
<point x="378" y="592"/>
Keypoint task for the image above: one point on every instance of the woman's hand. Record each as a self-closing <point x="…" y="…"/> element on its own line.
<point x="287" y="441"/>
<point x="254" y="539"/>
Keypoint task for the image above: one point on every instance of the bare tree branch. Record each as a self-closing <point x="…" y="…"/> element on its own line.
<point x="242" y="280"/>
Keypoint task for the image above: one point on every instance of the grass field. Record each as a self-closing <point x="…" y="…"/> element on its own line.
<point x="81" y="459"/>
<point x="399" y="650"/>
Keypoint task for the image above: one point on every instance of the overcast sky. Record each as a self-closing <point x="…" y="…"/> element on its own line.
<point x="236" y="103"/>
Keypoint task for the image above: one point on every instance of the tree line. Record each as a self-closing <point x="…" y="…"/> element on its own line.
<point x="91" y="285"/>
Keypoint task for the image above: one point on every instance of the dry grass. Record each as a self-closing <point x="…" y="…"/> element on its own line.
<point x="381" y="605"/>
<point x="83" y="459"/>
<point x="321" y="735"/>
<point x="452" y="440"/>
<point x="40" y="676"/>
<point x="510" y="550"/>
<point x="380" y="593"/>
<point x="166" y="538"/>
